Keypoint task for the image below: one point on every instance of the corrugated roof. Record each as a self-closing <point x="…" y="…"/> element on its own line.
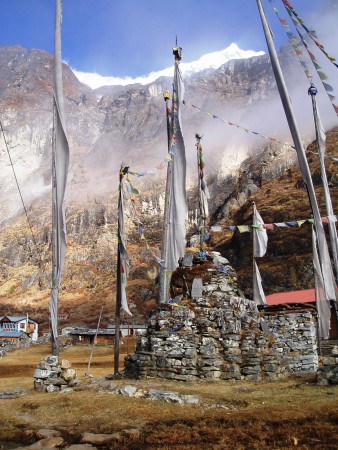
<point x="304" y="296"/>
<point x="125" y="327"/>
<point x="91" y="332"/>
<point x="17" y="318"/>
<point x="11" y="334"/>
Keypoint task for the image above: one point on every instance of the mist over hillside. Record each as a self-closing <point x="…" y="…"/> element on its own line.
<point x="115" y="124"/>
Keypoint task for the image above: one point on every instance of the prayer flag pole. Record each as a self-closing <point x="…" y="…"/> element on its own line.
<point x="201" y="220"/>
<point x="163" y="271"/>
<point x="260" y="241"/>
<point x="203" y="193"/>
<point x="93" y="343"/>
<point x="120" y="248"/>
<point x="118" y="283"/>
<point x="60" y="162"/>
<point x="324" y="257"/>
<point x="122" y="270"/>
<point x="174" y="231"/>
<point x="321" y="138"/>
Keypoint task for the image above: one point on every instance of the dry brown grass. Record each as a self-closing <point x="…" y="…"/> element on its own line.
<point x="266" y="415"/>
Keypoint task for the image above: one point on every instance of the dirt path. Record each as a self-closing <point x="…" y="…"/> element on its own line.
<point x="242" y="415"/>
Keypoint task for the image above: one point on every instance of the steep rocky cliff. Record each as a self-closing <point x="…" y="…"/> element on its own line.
<point x="115" y="124"/>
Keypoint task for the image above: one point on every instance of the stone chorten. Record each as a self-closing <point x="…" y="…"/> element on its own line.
<point x="215" y="333"/>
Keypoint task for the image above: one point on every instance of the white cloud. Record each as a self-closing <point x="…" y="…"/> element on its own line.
<point x="209" y="61"/>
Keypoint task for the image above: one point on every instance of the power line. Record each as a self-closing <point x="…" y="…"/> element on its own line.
<point x="21" y="197"/>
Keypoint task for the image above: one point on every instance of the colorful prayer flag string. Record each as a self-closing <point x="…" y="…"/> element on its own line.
<point x="271" y="226"/>
<point x="153" y="170"/>
<point x="132" y="192"/>
<point x="293" y="42"/>
<point x="238" y="126"/>
<point x="298" y="22"/>
<point x="311" y="33"/>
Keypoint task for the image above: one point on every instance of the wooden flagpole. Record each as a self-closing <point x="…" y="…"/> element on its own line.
<point x="163" y="275"/>
<point x="118" y="284"/>
<point x="93" y="344"/>
<point x="303" y="164"/>
<point x="201" y="220"/>
<point x="55" y="221"/>
<point x="332" y="228"/>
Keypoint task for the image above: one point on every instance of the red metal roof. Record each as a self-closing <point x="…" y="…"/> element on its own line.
<point x="305" y="296"/>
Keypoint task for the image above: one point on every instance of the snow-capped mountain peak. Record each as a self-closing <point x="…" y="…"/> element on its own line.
<point x="215" y="60"/>
<point x="209" y="61"/>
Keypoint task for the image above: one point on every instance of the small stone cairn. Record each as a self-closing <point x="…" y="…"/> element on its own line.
<point x="52" y="376"/>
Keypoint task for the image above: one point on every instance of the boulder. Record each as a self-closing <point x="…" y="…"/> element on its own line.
<point x="99" y="439"/>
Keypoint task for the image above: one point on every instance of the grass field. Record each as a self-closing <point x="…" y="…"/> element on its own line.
<point x="295" y="413"/>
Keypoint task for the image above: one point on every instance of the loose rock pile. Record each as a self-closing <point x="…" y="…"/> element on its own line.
<point x="52" y="376"/>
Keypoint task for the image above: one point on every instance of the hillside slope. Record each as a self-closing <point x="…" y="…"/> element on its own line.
<point x="287" y="264"/>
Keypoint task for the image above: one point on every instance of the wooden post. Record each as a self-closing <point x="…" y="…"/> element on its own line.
<point x="163" y="276"/>
<point x="328" y="203"/>
<point x="118" y="281"/>
<point x="93" y="344"/>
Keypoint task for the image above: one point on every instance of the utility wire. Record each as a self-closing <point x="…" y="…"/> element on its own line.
<point x="22" y="200"/>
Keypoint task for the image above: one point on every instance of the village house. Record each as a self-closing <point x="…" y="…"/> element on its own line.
<point x="63" y="316"/>
<point x="103" y="336"/>
<point x="130" y="330"/>
<point x="306" y="297"/>
<point x="88" y="336"/>
<point x="16" y="329"/>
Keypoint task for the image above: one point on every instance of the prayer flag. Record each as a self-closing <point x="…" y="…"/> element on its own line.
<point x="176" y="232"/>
<point x="258" y="292"/>
<point x="269" y="226"/>
<point x="123" y="255"/>
<point x="260" y="237"/>
<point x="216" y="228"/>
<point x="322" y="299"/>
<point x="243" y="228"/>
<point x="321" y="140"/>
<point x="60" y="174"/>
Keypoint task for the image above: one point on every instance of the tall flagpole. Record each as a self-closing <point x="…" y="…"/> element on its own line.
<point x="203" y="194"/>
<point x="163" y="294"/>
<point x="122" y="269"/>
<point x="201" y="219"/>
<point x="118" y="307"/>
<point x="320" y="137"/>
<point x="173" y="243"/>
<point x="60" y="162"/>
<point x="322" y="244"/>
<point x="259" y="247"/>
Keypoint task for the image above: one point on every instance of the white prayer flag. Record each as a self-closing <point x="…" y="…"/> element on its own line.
<point x="322" y="298"/>
<point x="260" y="237"/>
<point x="176" y="235"/>
<point x="60" y="173"/>
<point x="258" y="293"/>
<point x="124" y="259"/>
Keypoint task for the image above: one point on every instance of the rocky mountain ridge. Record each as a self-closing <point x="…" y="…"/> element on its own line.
<point x="105" y="127"/>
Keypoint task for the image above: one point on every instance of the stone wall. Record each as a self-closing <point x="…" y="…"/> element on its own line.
<point x="328" y="364"/>
<point x="295" y="337"/>
<point x="220" y="336"/>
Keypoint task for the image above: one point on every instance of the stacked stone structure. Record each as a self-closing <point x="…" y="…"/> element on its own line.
<point x="221" y="335"/>
<point x="328" y="364"/>
<point x="52" y="376"/>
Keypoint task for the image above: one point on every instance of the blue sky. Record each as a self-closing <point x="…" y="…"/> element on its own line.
<point x="134" y="37"/>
